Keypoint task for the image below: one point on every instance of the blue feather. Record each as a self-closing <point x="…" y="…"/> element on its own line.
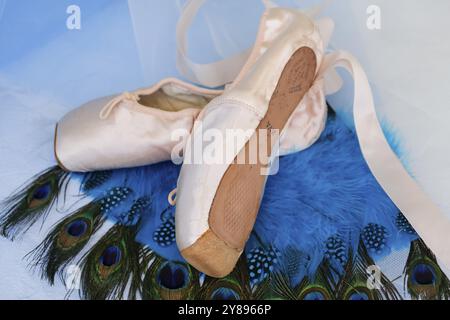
<point x="323" y="192"/>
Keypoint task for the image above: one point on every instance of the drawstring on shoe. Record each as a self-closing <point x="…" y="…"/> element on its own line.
<point x="172" y="197"/>
<point x="109" y="107"/>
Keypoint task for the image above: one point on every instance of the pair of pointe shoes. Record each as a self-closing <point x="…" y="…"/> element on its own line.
<point x="281" y="87"/>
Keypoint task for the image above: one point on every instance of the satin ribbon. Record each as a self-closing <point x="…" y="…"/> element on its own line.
<point x="223" y="72"/>
<point x="423" y="214"/>
<point x="212" y="75"/>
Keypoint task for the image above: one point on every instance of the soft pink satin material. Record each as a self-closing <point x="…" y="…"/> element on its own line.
<point x="307" y="123"/>
<point x="118" y="132"/>
<point x="308" y="120"/>
<point x="110" y="133"/>
<point x="421" y="211"/>
<point x="242" y="107"/>
<point x="423" y="214"/>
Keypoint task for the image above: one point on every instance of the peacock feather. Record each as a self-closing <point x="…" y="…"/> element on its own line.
<point x="321" y="287"/>
<point x="168" y="280"/>
<point x="318" y="287"/>
<point x="33" y="201"/>
<point x="353" y="284"/>
<point x="336" y="222"/>
<point x="236" y="286"/>
<point x="223" y="289"/>
<point x="281" y="286"/>
<point x="424" y="278"/>
<point x="66" y="240"/>
<point x="114" y="263"/>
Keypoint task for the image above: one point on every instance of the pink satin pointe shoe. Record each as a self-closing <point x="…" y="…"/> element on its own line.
<point x="282" y="89"/>
<point x="279" y="87"/>
<point x="128" y="130"/>
<point x="135" y="129"/>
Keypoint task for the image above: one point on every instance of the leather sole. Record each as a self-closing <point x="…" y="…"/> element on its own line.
<point x="236" y="203"/>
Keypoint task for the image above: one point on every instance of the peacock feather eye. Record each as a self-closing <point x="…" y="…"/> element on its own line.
<point x="40" y="195"/>
<point x="169" y="280"/>
<point x="66" y="240"/>
<point x="173" y="276"/>
<point x="423" y="274"/>
<point x="42" y="192"/>
<point x="425" y="279"/>
<point x="77" y="228"/>
<point x="32" y="202"/>
<point x="314" y="295"/>
<point x="224" y="294"/>
<point x="110" y="256"/>
<point x="315" y="292"/>
<point x="358" y="294"/>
